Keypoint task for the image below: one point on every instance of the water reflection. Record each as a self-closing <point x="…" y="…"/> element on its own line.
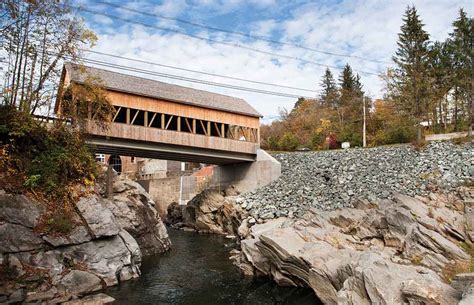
<point x="197" y="271"/>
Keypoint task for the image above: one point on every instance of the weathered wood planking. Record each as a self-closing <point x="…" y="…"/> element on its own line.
<point x="141" y="133"/>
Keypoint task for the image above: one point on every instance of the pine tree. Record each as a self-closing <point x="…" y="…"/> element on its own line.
<point x="329" y="96"/>
<point x="347" y="86"/>
<point x="440" y="71"/>
<point x="461" y="41"/>
<point x="358" y="88"/>
<point x="410" y="75"/>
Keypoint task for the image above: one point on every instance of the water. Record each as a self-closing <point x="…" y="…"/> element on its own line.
<point x="198" y="271"/>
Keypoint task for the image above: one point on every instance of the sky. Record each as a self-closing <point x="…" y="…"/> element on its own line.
<point x="361" y="33"/>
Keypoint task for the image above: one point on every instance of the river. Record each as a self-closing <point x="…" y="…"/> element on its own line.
<point x="197" y="271"/>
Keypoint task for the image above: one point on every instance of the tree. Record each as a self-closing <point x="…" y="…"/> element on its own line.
<point x="299" y="102"/>
<point x="37" y="37"/>
<point x="329" y="95"/>
<point x="440" y="72"/>
<point x="410" y="75"/>
<point x="461" y="41"/>
<point x="347" y="86"/>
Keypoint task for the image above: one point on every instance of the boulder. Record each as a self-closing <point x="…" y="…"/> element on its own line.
<point x="99" y="219"/>
<point x="78" y="235"/>
<point x="105" y="258"/>
<point x="134" y="212"/>
<point x="20" y="210"/>
<point x="16" y="238"/>
<point x="209" y="211"/>
<point x="78" y="282"/>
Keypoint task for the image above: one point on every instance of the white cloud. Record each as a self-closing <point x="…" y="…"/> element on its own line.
<point x="104" y="20"/>
<point x="264" y="27"/>
<point x="359" y="28"/>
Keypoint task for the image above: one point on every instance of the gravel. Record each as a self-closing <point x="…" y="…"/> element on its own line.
<point x="334" y="179"/>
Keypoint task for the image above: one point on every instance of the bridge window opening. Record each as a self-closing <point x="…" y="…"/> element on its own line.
<point x="120" y="115"/>
<point x="171" y="122"/>
<point x="215" y="129"/>
<point x="116" y="163"/>
<point x="186" y="125"/>
<point x="139" y="118"/>
<point x="132" y="117"/>
<point x="154" y="119"/>
<point x="200" y="125"/>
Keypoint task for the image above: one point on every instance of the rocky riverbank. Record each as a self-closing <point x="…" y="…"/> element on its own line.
<point x="99" y="245"/>
<point x="398" y="251"/>
<point x="334" y="179"/>
<point x="388" y="225"/>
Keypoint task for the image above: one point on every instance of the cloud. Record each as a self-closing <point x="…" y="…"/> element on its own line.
<point x="354" y="27"/>
<point x="264" y="27"/>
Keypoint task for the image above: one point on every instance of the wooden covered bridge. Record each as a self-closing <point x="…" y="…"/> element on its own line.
<point x="164" y="121"/>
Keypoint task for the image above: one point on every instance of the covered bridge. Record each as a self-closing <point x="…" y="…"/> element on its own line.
<point x="164" y="121"/>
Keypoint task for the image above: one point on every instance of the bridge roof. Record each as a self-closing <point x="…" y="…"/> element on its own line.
<point x="155" y="89"/>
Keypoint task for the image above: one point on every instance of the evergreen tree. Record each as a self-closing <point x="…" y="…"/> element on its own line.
<point x="461" y="41"/>
<point x="440" y="72"/>
<point x="358" y="88"/>
<point x="347" y="86"/>
<point x="329" y="94"/>
<point x="299" y="102"/>
<point x="411" y="75"/>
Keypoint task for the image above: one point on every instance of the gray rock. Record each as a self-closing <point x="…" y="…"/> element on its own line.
<point x="134" y="211"/>
<point x="388" y="252"/>
<point x="78" y="235"/>
<point x="33" y="297"/>
<point x="17" y="296"/>
<point x="99" y="218"/>
<point x="15" y="238"/>
<point x="334" y="179"/>
<point x="19" y="210"/>
<point x="95" y="299"/>
<point x="78" y="282"/>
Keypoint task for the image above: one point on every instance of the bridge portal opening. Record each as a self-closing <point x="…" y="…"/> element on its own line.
<point x="116" y="162"/>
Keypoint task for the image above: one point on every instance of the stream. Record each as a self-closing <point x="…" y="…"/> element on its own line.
<point x="197" y="271"/>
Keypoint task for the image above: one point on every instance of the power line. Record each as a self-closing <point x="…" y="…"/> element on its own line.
<point x="216" y="41"/>
<point x="266" y="39"/>
<point x="200" y="72"/>
<point x="188" y="79"/>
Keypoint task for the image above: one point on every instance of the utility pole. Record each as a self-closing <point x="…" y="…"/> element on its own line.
<point x="364" y="140"/>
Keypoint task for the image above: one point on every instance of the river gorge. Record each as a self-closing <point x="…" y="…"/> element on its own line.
<point x="197" y="270"/>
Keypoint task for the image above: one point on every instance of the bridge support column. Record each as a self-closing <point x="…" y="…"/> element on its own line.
<point x="247" y="176"/>
<point x="110" y="182"/>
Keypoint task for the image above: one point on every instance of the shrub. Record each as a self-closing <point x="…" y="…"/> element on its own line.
<point x="45" y="160"/>
<point x="273" y="143"/>
<point x="395" y="132"/>
<point x="60" y="222"/>
<point x="288" y="142"/>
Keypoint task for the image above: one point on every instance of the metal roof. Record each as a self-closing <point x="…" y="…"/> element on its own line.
<point x="155" y="89"/>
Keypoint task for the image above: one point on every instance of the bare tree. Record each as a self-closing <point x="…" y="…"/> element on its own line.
<point x="37" y="37"/>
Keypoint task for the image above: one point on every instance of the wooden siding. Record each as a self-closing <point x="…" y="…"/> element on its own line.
<point x="147" y="134"/>
<point x="182" y="110"/>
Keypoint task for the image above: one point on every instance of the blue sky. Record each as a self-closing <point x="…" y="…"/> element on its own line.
<point x="359" y="28"/>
